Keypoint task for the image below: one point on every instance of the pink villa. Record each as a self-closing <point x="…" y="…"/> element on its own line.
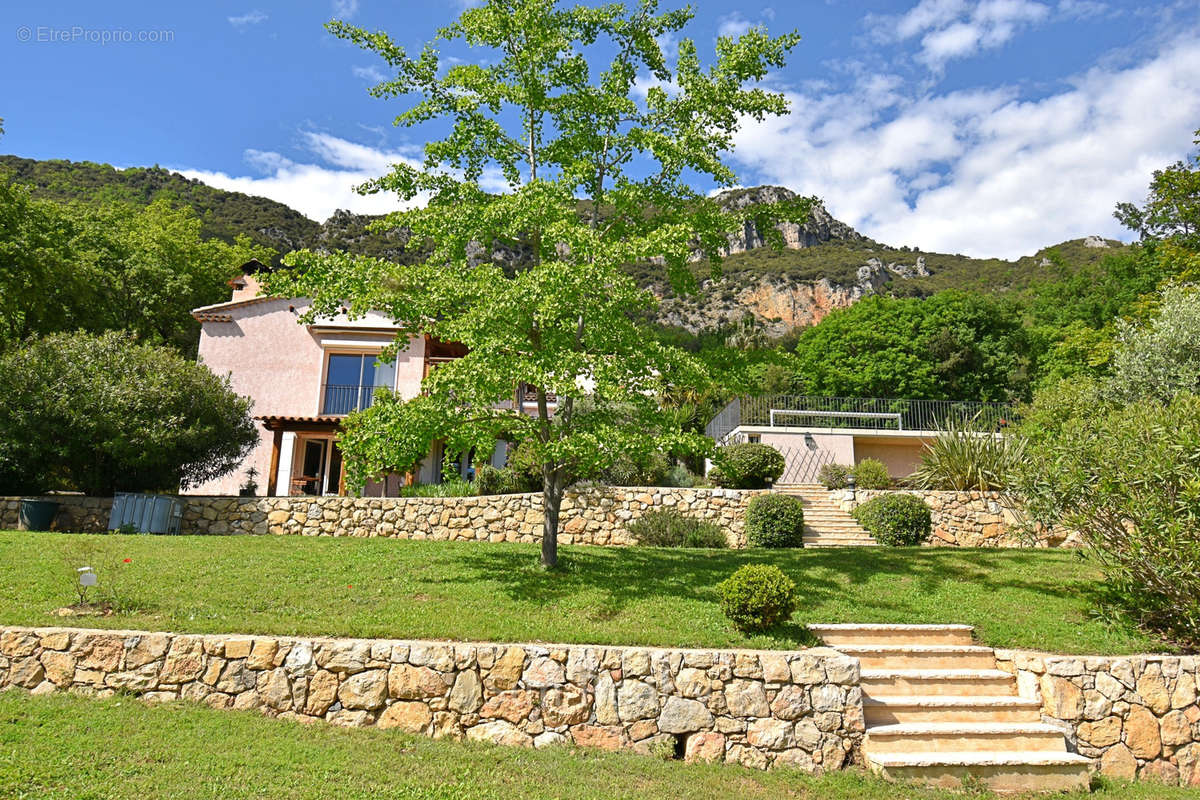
<point x="303" y="380"/>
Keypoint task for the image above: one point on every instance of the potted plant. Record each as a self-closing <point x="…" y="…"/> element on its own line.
<point x="250" y="487"/>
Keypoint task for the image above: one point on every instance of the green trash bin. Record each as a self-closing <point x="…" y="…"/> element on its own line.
<point x="37" y="515"/>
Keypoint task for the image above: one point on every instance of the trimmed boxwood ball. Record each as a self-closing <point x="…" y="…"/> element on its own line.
<point x="748" y="465"/>
<point x="898" y="519"/>
<point x="775" y="520"/>
<point x="757" y="597"/>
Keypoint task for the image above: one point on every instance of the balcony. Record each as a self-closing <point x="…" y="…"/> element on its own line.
<point x="339" y="399"/>
<point x="869" y="413"/>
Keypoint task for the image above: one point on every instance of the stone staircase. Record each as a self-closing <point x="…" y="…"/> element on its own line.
<point x="937" y="710"/>
<point x="825" y="523"/>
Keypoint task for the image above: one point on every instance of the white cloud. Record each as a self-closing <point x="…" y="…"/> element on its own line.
<point x="950" y="29"/>
<point x="371" y="73"/>
<point x="345" y="9"/>
<point x="244" y="21"/>
<point x="732" y="25"/>
<point x="318" y="188"/>
<point x="983" y="171"/>
<point x="1082" y="9"/>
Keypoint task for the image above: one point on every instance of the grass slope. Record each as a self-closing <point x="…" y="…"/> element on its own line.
<point x="63" y="746"/>
<point x="467" y="591"/>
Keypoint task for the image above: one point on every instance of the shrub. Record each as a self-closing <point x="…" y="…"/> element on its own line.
<point x="870" y="473"/>
<point x="896" y="519"/>
<point x="964" y="456"/>
<point x="453" y="488"/>
<point x="667" y="527"/>
<point x="642" y="469"/>
<point x="748" y="465"/>
<point x="757" y="597"/>
<point x="489" y="480"/>
<point x="679" y="476"/>
<point x="775" y="520"/>
<point x="102" y="413"/>
<point x="834" y="476"/>
<point x="1124" y="477"/>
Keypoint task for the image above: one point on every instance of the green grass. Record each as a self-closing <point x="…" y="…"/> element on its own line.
<point x="63" y="746"/>
<point x="471" y="591"/>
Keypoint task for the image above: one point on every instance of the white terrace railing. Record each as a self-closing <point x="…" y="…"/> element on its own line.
<point x="871" y="413"/>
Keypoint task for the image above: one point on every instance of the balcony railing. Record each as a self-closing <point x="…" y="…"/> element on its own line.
<point x="345" y="398"/>
<point x="871" y="413"/>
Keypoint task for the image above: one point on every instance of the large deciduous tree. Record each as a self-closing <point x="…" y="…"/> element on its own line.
<point x="586" y="170"/>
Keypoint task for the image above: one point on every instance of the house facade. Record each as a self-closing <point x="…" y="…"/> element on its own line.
<point x="814" y="431"/>
<point x="304" y="379"/>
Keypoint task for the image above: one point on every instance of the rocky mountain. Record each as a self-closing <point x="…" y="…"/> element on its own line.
<point x="826" y="264"/>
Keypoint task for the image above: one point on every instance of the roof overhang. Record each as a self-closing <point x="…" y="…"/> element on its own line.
<point x="300" y="424"/>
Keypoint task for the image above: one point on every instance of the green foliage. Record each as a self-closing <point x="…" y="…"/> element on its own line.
<point x="870" y="473"/>
<point x="757" y="597"/>
<point x="98" y="414"/>
<point x="775" y="520"/>
<point x="1172" y="209"/>
<point x="533" y="109"/>
<point x="450" y="488"/>
<point x="111" y="267"/>
<point x="224" y="215"/>
<point x="952" y="346"/>
<point x="1160" y="357"/>
<point x="896" y="519"/>
<point x="508" y="480"/>
<point x="1124" y="476"/>
<point x="666" y="527"/>
<point x="747" y="465"/>
<point x="834" y="476"/>
<point x="680" y="476"/>
<point x="635" y="469"/>
<point x="965" y="456"/>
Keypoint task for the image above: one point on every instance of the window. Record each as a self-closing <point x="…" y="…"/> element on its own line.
<point x="351" y="381"/>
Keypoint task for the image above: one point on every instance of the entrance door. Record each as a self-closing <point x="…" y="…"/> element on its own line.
<point x="333" y="475"/>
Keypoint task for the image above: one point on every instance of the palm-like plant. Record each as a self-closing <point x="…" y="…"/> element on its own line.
<point x="967" y="456"/>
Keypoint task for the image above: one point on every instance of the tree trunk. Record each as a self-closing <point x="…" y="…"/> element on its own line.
<point x="552" y="495"/>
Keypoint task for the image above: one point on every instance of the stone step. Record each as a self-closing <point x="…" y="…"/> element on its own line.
<point x="939" y="682"/>
<point x="1001" y="771"/>
<point x="815" y="545"/>
<point x="921" y="656"/>
<point x="880" y="633"/>
<point x="959" y="737"/>
<point x="902" y="709"/>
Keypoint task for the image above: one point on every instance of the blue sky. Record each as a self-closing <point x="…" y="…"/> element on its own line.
<point x="987" y="127"/>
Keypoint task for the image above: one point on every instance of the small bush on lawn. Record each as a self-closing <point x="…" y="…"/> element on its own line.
<point x="834" y="476"/>
<point x="757" y="597"/>
<point x="870" y="473"/>
<point x="748" y="465"/>
<point x="775" y="520"/>
<point x="896" y="519"/>
<point x="666" y="527"/>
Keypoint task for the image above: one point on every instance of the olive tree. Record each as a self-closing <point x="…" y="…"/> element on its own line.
<point x="571" y="148"/>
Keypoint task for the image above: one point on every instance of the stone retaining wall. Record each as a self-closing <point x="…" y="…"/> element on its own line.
<point x="596" y="516"/>
<point x="970" y="519"/>
<point x="1137" y="714"/>
<point x="760" y="709"/>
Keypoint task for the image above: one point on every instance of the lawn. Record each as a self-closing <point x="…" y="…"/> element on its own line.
<point x="63" y="746"/>
<point x="469" y="591"/>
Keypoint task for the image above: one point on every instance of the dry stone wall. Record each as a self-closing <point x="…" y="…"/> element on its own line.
<point x="596" y="516"/>
<point x="970" y="519"/>
<point x="760" y="709"/>
<point x="1137" y="715"/>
